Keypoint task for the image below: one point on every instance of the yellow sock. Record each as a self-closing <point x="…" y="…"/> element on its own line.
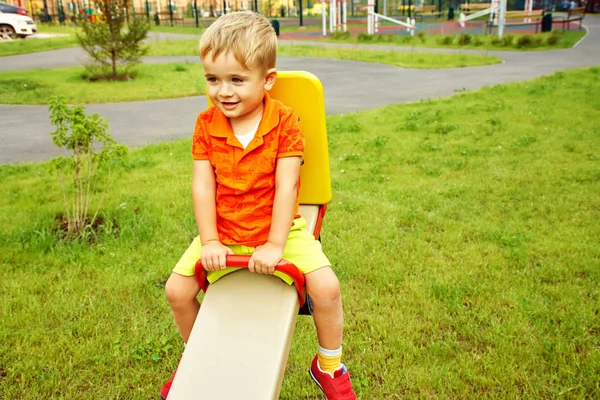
<point x="331" y="360"/>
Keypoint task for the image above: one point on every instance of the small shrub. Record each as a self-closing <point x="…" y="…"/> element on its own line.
<point x="340" y="35"/>
<point x="537" y="41"/>
<point x="85" y="172"/>
<point x="477" y="41"/>
<point x="445" y="40"/>
<point x="496" y="41"/>
<point x="507" y="40"/>
<point x="464" y="39"/>
<point x="421" y="36"/>
<point x="365" y="37"/>
<point x="525" y="41"/>
<point x="552" y="40"/>
<point x="407" y="39"/>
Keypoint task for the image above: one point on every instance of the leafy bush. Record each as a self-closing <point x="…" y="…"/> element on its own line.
<point x="496" y="41"/>
<point x="464" y="39"/>
<point x="407" y="39"/>
<point x="525" y="41"/>
<point x="422" y="37"/>
<point x="365" y="37"/>
<point x="477" y="41"/>
<point x="94" y="153"/>
<point x="552" y="40"/>
<point x="507" y="40"/>
<point x="445" y="40"/>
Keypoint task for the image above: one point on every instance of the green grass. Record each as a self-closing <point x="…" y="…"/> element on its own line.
<point x="396" y="58"/>
<point x="464" y="232"/>
<point x="400" y="59"/>
<point x="34" y="45"/>
<point x="541" y="41"/>
<point x="154" y="81"/>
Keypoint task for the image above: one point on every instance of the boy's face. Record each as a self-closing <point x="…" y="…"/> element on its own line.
<point x="236" y="90"/>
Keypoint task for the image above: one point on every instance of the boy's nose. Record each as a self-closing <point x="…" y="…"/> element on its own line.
<point x="225" y="91"/>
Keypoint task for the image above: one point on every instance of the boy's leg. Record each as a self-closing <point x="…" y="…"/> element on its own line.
<point x="182" y="292"/>
<point x="326" y="369"/>
<point x="323" y="288"/>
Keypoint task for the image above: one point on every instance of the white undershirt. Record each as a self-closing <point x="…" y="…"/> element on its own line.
<point x="246" y="138"/>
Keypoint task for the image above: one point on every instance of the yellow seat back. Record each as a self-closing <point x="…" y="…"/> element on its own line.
<point x="303" y="92"/>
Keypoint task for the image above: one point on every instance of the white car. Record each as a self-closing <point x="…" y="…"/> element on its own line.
<point x="14" y="26"/>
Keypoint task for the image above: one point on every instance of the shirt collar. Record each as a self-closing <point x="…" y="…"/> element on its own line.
<point x="220" y="126"/>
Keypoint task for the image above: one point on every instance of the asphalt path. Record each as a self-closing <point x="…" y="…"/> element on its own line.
<point x="349" y="86"/>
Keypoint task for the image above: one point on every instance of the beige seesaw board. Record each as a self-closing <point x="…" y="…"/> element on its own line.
<point x="240" y="342"/>
<point x="241" y="339"/>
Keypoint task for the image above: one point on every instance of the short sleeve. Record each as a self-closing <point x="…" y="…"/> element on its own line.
<point x="199" y="145"/>
<point x="291" y="140"/>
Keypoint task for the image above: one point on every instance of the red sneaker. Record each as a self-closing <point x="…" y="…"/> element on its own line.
<point x="338" y="387"/>
<point x="164" y="392"/>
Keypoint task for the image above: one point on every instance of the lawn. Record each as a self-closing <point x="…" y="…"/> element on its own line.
<point x="161" y="81"/>
<point x="403" y="59"/>
<point x="397" y="58"/>
<point x="509" y="42"/>
<point x="35" y="45"/>
<point x="154" y="81"/>
<point x="464" y="232"/>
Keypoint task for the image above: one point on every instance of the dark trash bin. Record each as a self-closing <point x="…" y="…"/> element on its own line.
<point x="451" y="14"/>
<point x="275" y="25"/>
<point x="547" y="22"/>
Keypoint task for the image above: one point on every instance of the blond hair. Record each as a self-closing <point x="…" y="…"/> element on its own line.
<point x="248" y="36"/>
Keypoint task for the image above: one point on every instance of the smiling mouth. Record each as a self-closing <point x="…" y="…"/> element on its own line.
<point x="229" y="105"/>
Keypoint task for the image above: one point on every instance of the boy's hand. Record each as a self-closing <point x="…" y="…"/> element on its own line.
<point x="213" y="255"/>
<point x="265" y="258"/>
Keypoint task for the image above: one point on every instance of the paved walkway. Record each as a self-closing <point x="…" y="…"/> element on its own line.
<point x="349" y="86"/>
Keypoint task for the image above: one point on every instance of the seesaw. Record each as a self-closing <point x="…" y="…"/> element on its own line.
<point x="239" y="345"/>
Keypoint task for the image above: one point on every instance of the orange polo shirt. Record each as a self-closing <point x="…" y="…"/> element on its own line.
<point x="245" y="178"/>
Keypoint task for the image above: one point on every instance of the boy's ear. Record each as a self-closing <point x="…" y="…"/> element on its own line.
<point x="270" y="78"/>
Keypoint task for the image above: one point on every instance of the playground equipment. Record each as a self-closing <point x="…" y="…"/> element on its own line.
<point x="240" y="342"/>
<point x="338" y="13"/>
<point x="497" y="12"/>
<point x="373" y="20"/>
<point x="492" y="10"/>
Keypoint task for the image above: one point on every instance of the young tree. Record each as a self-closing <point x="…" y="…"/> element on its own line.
<point x="113" y="50"/>
<point x="87" y="170"/>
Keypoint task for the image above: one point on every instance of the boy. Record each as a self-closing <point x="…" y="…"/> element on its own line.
<point x="247" y="152"/>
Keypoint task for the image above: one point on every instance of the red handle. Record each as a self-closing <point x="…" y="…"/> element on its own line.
<point x="241" y="261"/>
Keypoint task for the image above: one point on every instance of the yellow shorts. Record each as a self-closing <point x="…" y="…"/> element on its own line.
<point x="301" y="249"/>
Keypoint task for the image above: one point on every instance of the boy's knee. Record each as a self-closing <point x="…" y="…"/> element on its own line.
<point x="324" y="288"/>
<point x="181" y="289"/>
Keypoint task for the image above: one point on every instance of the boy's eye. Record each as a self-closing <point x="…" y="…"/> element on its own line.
<point x="211" y="79"/>
<point x="237" y="80"/>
